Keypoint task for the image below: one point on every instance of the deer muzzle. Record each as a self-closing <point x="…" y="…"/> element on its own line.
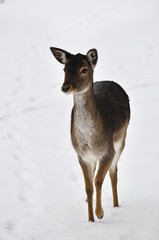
<point x="66" y="88"/>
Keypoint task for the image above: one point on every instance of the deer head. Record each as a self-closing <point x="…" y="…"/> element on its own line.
<point x="78" y="69"/>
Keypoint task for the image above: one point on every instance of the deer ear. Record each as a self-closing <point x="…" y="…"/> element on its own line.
<point x="92" y="56"/>
<point x="61" y="55"/>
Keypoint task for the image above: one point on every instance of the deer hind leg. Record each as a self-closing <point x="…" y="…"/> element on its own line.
<point x="88" y="177"/>
<point x="113" y="171"/>
<point x="113" y="177"/>
<point x="104" y="165"/>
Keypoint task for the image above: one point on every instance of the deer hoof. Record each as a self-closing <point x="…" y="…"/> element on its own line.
<point x="100" y="214"/>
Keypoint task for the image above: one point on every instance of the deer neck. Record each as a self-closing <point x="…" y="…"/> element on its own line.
<point x="85" y="112"/>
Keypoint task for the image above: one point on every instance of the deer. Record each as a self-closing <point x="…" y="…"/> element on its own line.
<point x="99" y="120"/>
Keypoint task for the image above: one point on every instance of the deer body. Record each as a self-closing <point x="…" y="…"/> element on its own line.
<point x="99" y="121"/>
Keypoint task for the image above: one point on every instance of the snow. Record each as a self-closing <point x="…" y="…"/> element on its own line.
<point x="41" y="184"/>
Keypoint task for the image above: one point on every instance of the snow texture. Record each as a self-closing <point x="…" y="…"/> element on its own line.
<point x="42" y="194"/>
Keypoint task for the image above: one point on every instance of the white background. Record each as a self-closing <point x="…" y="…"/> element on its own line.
<point x="42" y="193"/>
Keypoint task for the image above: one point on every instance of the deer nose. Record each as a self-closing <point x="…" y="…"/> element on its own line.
<point x="66" y="88"/>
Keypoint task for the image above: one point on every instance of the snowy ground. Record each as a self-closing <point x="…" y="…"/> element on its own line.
<point x="41" y="185"/>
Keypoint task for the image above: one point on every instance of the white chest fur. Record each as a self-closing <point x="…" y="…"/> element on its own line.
<point x="83" y="118"/>
<point x="85" y="129"/>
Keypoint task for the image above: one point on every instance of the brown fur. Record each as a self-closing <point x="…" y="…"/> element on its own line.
<point x="99" y="121"/>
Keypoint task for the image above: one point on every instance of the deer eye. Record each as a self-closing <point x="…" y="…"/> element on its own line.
<point x="84" y="70"/>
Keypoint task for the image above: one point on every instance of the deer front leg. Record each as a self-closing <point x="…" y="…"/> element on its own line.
<point x="102" y="170"/>
<point x="93" y="175"/>
<point x="88" y="177"/>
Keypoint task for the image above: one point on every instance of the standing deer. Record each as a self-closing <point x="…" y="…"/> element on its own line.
<point x="99" y="121"/>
